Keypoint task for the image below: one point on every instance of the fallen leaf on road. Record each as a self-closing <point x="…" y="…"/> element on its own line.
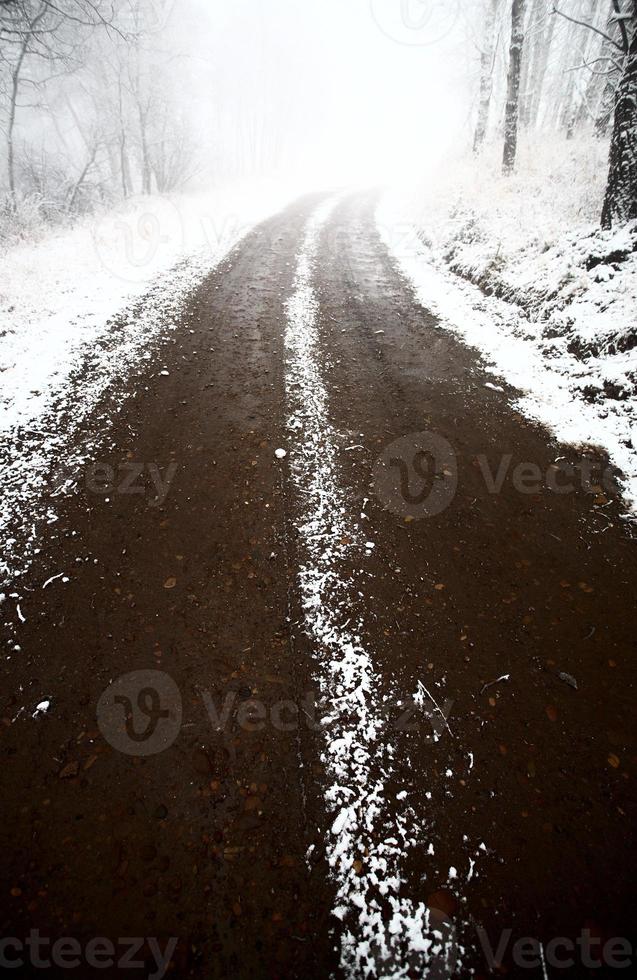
<point x="443" y="901"/>
<point x="170" y="583"/>
<point x="71" y="770"/>
<point x="613" y="760"/>
<point x="551" y="712"/>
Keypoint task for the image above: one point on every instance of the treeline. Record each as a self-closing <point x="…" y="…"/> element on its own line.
<point x="89" y="108"/>
<point x="568" y="66"/>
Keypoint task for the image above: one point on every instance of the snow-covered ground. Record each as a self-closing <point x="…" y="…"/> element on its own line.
<point x="57" y="294"/>
<point x="519" y="267"/>
<point x="58" y="353"/>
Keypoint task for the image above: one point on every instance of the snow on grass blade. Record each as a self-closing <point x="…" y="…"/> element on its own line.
<point x="367" y="837"/>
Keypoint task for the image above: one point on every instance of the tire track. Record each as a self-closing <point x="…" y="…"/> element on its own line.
<point x="383" y="933"/>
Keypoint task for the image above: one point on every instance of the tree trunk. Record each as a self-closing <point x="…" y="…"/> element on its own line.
<point x="16" y="76"/>
<point x="545" y="43"/>
<point x="608" y="88"/>
<point x="80" y="180"/>
<point x="15" y="80"/>
<point x="145" y="159"/>
<point x="605" y="110"/>
<point x="486" y="76"/>
<point x="533" y="41"/>
<point x="620" y="203"/>
<point x="576" y="109"/>
<point x="13" y="105"/>
<point x="124" y="165"/>
<point x="513" y="87"/>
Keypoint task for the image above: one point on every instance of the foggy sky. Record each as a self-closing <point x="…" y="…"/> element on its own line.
<point x="352" y="91"/>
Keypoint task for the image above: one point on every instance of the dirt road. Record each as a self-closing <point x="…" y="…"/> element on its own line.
<point x="334" y="685"/>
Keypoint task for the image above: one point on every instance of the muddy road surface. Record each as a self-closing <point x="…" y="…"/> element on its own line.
<point x="328" y="665"/>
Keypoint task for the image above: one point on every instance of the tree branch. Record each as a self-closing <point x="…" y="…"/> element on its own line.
<point x="622" y="25"/>
<point x="591" y="27"/>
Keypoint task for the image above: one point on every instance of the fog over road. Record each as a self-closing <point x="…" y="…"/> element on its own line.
<point x="335" y="677"/>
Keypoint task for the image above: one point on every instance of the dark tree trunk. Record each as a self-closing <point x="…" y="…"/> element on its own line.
<point x="512" y="113"/>
<point x="620" y="203"/>
<point x="486" y="77"/>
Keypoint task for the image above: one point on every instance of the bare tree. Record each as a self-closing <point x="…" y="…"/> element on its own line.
<point x="620" y="202"/>
<point x="40" y="40"/>
<point x="544" y="46"/>
<point x="487" y="66"/>
<point x="534" y="44"/>
<point x="619" y="59"/>
<point x="512" y="112"/>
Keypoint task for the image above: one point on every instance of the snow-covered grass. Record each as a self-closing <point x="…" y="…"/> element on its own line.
<point x="519" y="266"/>
<point x="58" y="353"/>
<point x="57" y="294"/>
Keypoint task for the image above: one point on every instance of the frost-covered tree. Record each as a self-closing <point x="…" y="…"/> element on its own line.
<point x="93" y="103"/>
<point x="487" y="67"/>
<point x="40" y="40"/>
<point x="620" y="202"/>
<point x="512" y="112"/>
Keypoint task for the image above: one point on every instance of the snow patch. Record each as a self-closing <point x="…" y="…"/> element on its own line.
<point x="60" y="352"/>
<point x="365" y="861"/>
<point x="575" y="347"/>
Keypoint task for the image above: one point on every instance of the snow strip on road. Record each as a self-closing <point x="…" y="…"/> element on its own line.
<point x="549" y="387"/>
<point x="368" y="836"/>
